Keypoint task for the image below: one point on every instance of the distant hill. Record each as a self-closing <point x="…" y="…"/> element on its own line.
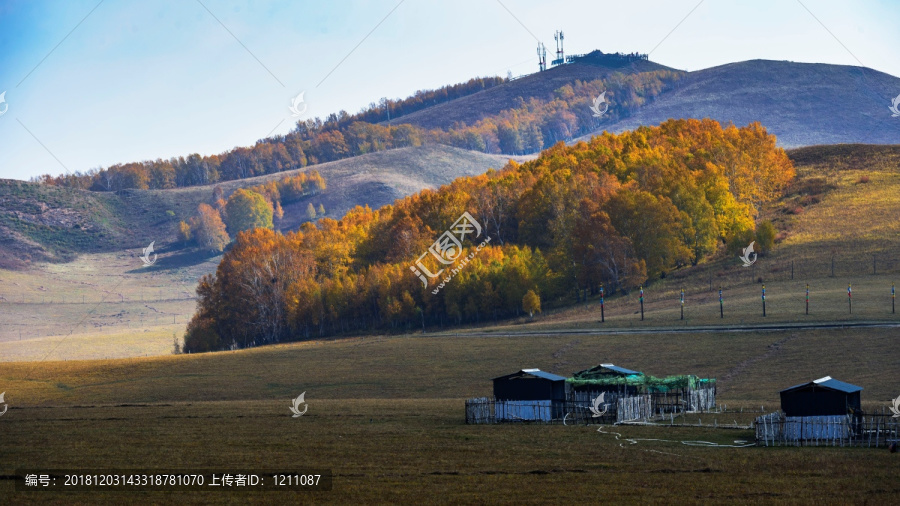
<point x="50" y="223"/>
<point x="541" y="85"/>
<point x="803" y="104"/>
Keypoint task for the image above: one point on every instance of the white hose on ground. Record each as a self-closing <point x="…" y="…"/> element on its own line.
<point x="738" y="443"/>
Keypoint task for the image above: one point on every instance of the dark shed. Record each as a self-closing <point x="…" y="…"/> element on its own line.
<point x="822" y="397"/>
<point x="530" y="385"/>
<point x="607" y="378"/>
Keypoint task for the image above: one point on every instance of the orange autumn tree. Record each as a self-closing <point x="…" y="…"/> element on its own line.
<point x="208" y="229"/>
<point x="618" y="210"/>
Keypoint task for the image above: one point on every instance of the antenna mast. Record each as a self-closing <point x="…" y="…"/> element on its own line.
<point x="560" y="54"/>
<point x="542" y="56"/>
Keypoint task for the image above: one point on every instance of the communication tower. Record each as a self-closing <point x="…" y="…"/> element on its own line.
<point x="560" y="54"/>
<point x="542" y="56"/>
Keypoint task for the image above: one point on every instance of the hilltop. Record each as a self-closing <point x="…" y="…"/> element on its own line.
<point x="541" y="85"/>
<point x="803" y="104"/>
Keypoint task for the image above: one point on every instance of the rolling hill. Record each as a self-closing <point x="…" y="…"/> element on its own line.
<point x="471" y="108"/>
<point x="803" y="104"/>
<point x="50" y="223"/>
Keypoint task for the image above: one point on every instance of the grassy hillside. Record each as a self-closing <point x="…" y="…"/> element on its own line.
<point x="48" y="223"/>
<point x="753" y="367"/>
<point x="802" y="103"/>
<point x="540" y="85"/>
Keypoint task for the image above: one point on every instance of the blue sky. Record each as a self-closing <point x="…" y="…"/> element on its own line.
<point x="142" y="80"/>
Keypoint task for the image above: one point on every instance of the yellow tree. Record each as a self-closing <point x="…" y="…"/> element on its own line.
<point x="531" y="303"/>
<point x="208" y="229"/>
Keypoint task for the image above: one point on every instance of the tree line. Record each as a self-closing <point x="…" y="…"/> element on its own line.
<point x="618" y="210"/>
<point x="528" y="127"/>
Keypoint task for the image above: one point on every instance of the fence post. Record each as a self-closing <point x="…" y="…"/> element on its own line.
<point x="602" y="316"/>
<point x="721" y="304"/>
<point x="877" y="431"/>
<point x="764" y="299"/>
<point x="642" y="302"/>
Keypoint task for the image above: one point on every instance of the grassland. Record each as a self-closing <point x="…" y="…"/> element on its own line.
<point x="386" y="415"/>
<point x="102" y="305"/>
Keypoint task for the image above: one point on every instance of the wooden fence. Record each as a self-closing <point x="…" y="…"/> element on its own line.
<point x="869" y="431"/>
<point x="577" y="408"/>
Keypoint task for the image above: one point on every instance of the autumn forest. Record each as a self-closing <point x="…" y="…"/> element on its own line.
<point x="618" y="210"/>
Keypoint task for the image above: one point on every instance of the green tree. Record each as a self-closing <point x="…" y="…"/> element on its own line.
<point x="765" y="236"/>
<point x="321" y="210"/>
<point x="310" y="211"/>
<point x="510" y="141"/>
<point x="246" y="210"/>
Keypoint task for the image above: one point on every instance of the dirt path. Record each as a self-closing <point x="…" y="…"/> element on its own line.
<point x="679" y="330"/>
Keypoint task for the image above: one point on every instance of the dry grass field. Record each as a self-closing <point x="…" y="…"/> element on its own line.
<point x="101" y="305"/>
<point x="386" y="416"/>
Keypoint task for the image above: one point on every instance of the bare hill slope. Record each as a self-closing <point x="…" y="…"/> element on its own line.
<point x="803" y="104"/>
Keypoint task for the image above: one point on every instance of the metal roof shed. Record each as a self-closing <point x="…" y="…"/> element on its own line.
<point x="822" y="397"/>
<point x="608" y="370"/>
<point x="530" y="385"/>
